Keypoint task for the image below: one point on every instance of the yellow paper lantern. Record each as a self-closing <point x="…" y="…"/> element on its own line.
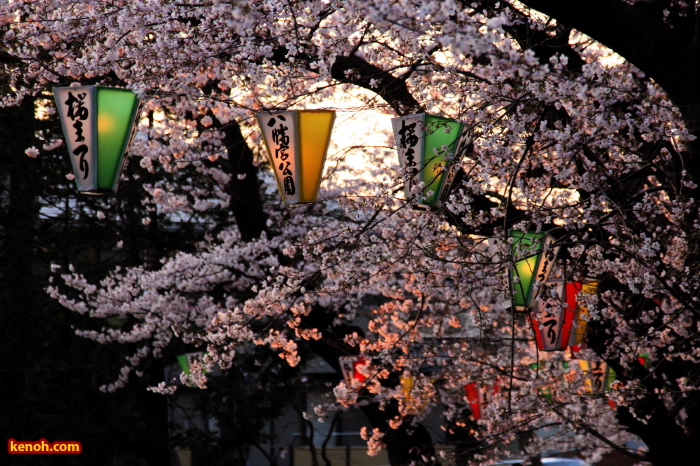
<point x="297" y="142"/>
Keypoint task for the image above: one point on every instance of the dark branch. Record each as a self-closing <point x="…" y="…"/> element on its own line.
<point x="355" y="70"/>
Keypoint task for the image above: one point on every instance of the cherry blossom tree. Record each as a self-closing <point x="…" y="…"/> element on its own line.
<point x="584" y="123"/>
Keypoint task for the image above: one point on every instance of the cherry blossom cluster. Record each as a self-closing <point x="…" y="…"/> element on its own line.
<point x="591" y="153"/>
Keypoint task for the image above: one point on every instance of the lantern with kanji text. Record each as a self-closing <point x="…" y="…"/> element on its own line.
<point x="599" y="377"/>
<point x="558" y="324"/>
<point x="98" y="123"/>
<point x="297" y="142"/>
<point x="533" y="255"/>
<point x="430" y="148"/>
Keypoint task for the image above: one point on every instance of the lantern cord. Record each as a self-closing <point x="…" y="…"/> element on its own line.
<point x="512" y="360"/>
<point x="529" y="143"/>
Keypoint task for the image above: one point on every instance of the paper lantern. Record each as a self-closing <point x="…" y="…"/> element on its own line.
<point x="412" y="402"/>
<point x="643" y="360"/>
<point x="558" y="326"/>
<point x="549" y="390"/>
<point x="297" y="142"/>
<point x="479" y="397"/>
<point x="350" y="367"/>
<point x="430" y="148"/>
<point x="185" y="360"/>
<point x="599" y="376"/>
<point x="547" y="322"/>
<point x="533" y="259"/>
<point x="407" y="384"/>
<point x="545" y="391"/>
<point x="474" y="398"/>
<point x="98" y="123"/>
<point x="574" y="332"/>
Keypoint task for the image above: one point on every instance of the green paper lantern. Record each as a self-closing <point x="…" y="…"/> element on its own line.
<point x="98" y="123"/>
<point x="533" y="259"/>
<point x="430" y="148"/>
<point x="186" y="360"/>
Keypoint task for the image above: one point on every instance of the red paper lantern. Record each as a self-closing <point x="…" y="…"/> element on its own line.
<point x="474" y="398"/>
<point x="479" y="397"/>
<point x="351" y="369"/>
<point x="558" y="326"/>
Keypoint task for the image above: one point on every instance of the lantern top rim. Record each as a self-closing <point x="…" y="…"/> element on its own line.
<point x="100" y="86"/>
<point x="279" y="110"/>
<point x="428" y="114"/>
<point x="584" y="281"/>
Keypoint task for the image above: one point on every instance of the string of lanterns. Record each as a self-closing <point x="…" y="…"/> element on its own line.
<point x="98" y="123"/>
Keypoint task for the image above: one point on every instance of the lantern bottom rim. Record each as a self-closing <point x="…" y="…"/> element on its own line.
<point x="298" y="203"/>
<point x="95" y="191"/>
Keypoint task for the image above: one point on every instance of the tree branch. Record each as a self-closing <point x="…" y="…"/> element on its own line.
<point x="355" y="70"/>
